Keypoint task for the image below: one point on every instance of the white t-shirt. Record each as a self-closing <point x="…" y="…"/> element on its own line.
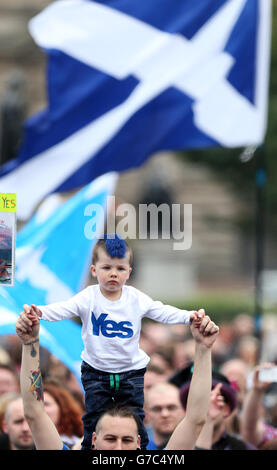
<point x="111" y="329"/>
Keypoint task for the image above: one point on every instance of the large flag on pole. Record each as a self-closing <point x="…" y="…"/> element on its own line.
<point x="128" y="78"/>
<point x="53" y="256"/>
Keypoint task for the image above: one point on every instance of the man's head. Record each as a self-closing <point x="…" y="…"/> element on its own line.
<point x="16" y="426"/>
<point x="8" y="380"/>
<point x="117" y="429"/>
<point x="153" y="375"/>
<point x="163" y="410"/>
<point x="111" y="264"/>
<point x="236" y="372"/>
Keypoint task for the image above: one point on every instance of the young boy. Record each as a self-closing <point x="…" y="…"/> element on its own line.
<point x="113" y="365"/>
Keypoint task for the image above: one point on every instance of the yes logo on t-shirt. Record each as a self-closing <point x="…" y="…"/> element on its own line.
<point x="110" y="328"/>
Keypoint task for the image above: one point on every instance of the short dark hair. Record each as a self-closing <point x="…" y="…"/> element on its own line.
<point x="121" y="411"/>
<point x="114" y="246"/>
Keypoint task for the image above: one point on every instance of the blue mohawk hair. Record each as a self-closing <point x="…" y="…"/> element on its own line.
<point x="115" y="245"/>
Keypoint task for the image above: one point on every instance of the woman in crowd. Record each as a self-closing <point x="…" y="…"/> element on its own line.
<point x="65" y="412"/>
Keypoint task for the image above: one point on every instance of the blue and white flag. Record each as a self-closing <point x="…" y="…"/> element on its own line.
<point x="52" y="336"/>
<point x="128" y="78"/>
<point x="53" y="256"/>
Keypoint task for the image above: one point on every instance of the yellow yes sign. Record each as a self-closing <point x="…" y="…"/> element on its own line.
<point x="7" y="202"/>
<point x="7" y="238"/>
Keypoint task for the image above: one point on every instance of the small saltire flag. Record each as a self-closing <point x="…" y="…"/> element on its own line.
<point x="128" y="78"/>
<point x="52" y="259"/>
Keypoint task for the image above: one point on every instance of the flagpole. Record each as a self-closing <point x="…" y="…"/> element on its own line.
<point x="260" y="237"/>
<point x="258" y="153"/>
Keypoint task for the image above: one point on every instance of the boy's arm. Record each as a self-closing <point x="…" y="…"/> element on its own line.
<point x="43" y="430"/>
<point x="186" y="433"/>
<point x="163" y="313"/>
<point x="52" y="312"/>
<point x="62" y="310"/>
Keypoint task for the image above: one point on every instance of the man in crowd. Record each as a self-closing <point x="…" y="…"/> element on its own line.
<point x="163" y="412"/>
<point x="8" y="380"/>
<point x="15" y="426"/>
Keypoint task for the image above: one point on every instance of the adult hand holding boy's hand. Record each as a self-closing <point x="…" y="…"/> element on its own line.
<point x="27" y="325"/>
<point x="204" y="331"/>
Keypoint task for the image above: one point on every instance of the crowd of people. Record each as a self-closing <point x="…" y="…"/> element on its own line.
<point x="247" y="418"/>
<point x="242" y="412"/>
<point x="153" y="376"/>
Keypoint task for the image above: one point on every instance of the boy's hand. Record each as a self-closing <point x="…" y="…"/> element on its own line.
<point x="36" y="310"/>
<point x="197" y="316"/>
<point x="33" y="310"/>
<point x="204" y="332"/>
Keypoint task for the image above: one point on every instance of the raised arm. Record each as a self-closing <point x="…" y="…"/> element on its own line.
<point x="186" y="433"/>
<point x="44" y="432"/>
<point x="205" y="439"/>
<point x="252" y="425"/>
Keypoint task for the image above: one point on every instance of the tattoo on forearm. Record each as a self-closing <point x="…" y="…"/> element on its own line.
<point x="33" y="351"/>
<point x="36" y="384"/>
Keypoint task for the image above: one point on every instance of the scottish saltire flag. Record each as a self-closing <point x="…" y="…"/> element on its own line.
<point x="53" y="256"/>
<point x="128" y="78"/>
